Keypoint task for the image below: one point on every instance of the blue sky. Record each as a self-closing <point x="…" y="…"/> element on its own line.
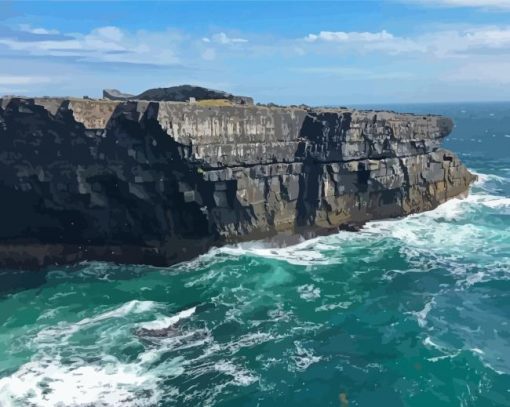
<point x="314" y="52"/>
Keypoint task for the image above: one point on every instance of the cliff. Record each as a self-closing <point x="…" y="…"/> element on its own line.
<point x="159" y="182"/>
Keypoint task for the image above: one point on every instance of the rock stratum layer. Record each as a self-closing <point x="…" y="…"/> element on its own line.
<point x="160" y="182"/>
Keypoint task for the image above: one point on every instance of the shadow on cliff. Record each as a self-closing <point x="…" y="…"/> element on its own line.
<point x="321" y="142"/>
<point x="64" y="184"/>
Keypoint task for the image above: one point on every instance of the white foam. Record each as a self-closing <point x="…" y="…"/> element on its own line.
<point x="428" y="342"/>
<point x="166" y="322"/>
<point x="421" y="316"/>
<point x="444" y="230"/>
<point x="250" y="340"/>
<point x="242" y="377"/>
<point x="131" y="307"/>
<point x="50" y="383"/>
<point x="303" y="358"/>
<point x="304" y="253"/>
<point x="473" y="279"/>
<point x="309" y="292"/>
<point x="414" y="230"/>
<point x="448" y="356"/>
<point x="65" y="329"/>
<point x="497" y="203"/>
<point x="329" y="307"/>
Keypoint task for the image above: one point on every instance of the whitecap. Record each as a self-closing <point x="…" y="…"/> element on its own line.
<point x="166" y="322"/>
<point x="303" y="358"/>
<point x="242" y="377"/>
<point x="428" y="342"/>
<point x="448" y="356"/>
<point x="64" y="329"/>
<point x="309" y="292"/>
<point x="421" y="316"/>
<point x="246" y="341"/>
<point x="338" y="305"/>
<point x="490" y="183"/>
<point x="301" y="254"/>
<point x="131" y="307"/>
<point x="497" y="203"/>
<point x="472" y="279"/>
<point x="50" y="383"/>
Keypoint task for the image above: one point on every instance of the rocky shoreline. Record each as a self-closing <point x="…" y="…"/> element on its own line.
<point x="160" y="182"/>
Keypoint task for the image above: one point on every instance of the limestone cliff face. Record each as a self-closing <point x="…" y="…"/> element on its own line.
<point x="158" y="182"/>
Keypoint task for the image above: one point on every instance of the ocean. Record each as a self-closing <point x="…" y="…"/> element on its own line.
<point x="407" y="312"/>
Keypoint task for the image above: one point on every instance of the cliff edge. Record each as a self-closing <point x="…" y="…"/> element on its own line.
<point x="159" y="182"/>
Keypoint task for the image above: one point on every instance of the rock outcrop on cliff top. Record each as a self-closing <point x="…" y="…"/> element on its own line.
<point x="158" y="182"/>
<point x="181" y="93"/>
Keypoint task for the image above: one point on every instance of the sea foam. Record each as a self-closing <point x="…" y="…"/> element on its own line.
<point x="166" y="322"/>
<point x="50" y="383"/>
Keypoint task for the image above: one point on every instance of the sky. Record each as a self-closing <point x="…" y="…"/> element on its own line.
<point x="286" y="52"/>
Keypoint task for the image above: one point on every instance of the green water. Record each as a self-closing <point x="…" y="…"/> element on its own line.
<point x="409" y="312"/>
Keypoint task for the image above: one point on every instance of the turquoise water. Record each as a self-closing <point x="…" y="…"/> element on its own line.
<point x="409" y="312"/>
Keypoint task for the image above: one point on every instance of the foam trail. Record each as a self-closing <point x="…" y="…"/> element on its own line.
<point x="65" y="329"/>
<point x="301" y="254"/>
<point x="421" y="316"/>
<point x="304" y="253"/>
<point x="135" y="307"/>
<point x="484" y="178"/>
<point x="166" y="322"/>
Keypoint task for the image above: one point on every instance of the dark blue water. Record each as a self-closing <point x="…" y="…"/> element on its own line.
<point x="409" y="312"/>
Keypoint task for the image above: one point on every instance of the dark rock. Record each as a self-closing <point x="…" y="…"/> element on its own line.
<point x="351" y="227"/>
<point x="182" y="93"/>
<point x="114" y="94"/>
<point x="157" y="182"/>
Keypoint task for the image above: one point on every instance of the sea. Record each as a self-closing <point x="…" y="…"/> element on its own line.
<point x="407" y="312"/>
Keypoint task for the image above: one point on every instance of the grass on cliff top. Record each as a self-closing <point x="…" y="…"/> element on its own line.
<point x="214" y="102"/>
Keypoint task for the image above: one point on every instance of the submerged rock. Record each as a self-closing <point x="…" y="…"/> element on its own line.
<point x="160" y="182"/>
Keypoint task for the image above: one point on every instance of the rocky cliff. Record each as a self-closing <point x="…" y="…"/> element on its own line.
<point x="158" y="182"/>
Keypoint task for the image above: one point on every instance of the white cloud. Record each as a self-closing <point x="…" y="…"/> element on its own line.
<point x="493" y="38"/>
<point x="224" y="39"/>
<point x="104" y="44"/>
<point x="443" y="44"/>
<point x="17" y="80"/>
<point x="342" y="36"/>
<point x="493" y="72"/>
<point x="353" y="72"/>
<point x="36" y="30"/>
<point x="382" y="41"/>
<point x="209" y="54"/>
<point x="498" y="4"/>
<point x="462" y="43"/>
